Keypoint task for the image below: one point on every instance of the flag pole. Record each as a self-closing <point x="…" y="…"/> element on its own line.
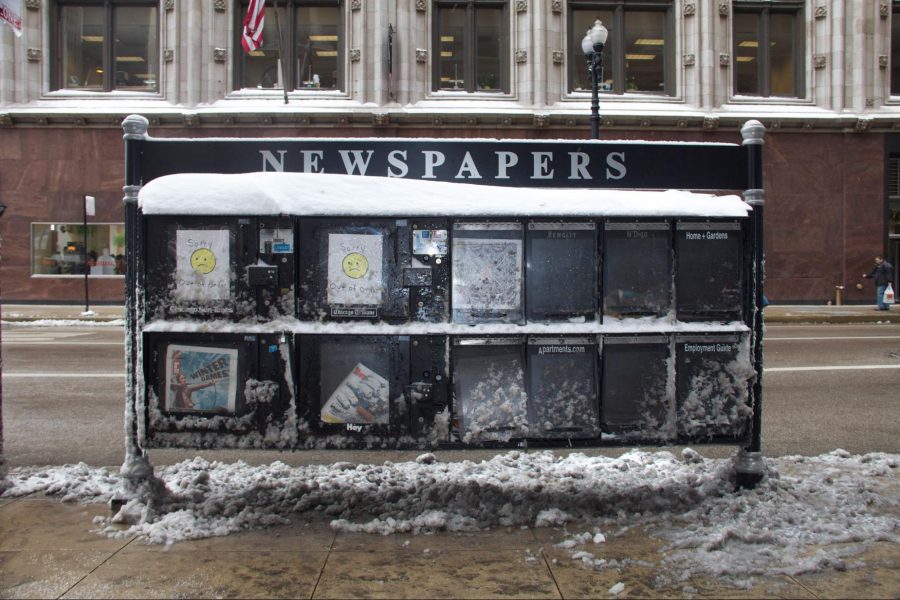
<point x="284" y="79"/>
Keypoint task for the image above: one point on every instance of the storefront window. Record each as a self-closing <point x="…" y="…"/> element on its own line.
<point x="638" y="53"/>
<point x="105" y="46"/>
<point x="470" y="46"/>
<point x="895" y="49"/>
<point x="768" y="49"/>
<point x="312" y="39"/>
<point x="59" y="249"/>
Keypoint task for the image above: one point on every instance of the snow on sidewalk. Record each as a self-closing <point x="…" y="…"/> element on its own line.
<point x="810" y="514"/>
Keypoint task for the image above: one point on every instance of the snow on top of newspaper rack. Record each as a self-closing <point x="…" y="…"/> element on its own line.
<point x="320" y="194"/>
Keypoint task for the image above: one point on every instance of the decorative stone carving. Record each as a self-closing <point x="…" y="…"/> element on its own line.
<point x="168" y="55"/>
<point x="885" y="10"/>
<point x="190" y="119"/>
<point x="42" y="121"/>
<point x="381" y="119"/>
<point x="80" y="121"/>
<point x="896" y="125"/>
<point x="5" y="120"/>
<point x="506" y="121"/>
<point x="220" y="5"/>
<point x="883" y="61"/>
<point x="690" y="9"/>
<point x="355" y="4"/>
<point x="864" y="124"/>
<point x="870" y="102"/>
<point x="343" y="120"/>
<point x="821" y="12"/>
<point x="34" y="54"/>
<point x="421" y="55"/>
<point x="266" y="120"/>
<point x="724" y="8"/>
<point x="541" y="120"/>
<point x="228" y="120"/>
<point x="645" y="122"/>
<point x="559" y="57"/>
<point x="819" y="61"/>
<point x="689" y="60"/>
<point x="775" y="125"/>
<point x="471" y="121"/>
<point x="607" y="122"/>
<point x="724" y="60"/>
<point x="355" y="54"/>
<point x="556" y="6"/>
<point x="437" y="122"/>
<point x="220" y="55"/>
<point x="33" y="4"/>
<point x="710" y="123"/>
<point x="808" y="125"/>
<point x="303" y="121"/>
<point x="521" y="56"/>
<point x="571" y="122"/>
<point x="421" y="5"/>
<point x="521" y="5"/>
<point x="682" y="123"/>
<point x="169" y="5"/>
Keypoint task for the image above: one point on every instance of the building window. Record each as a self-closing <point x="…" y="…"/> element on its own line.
<point x="768" y="49"/>
<point x="312" y="41"/>
<point x="471" y="41"/>
<point x="638" y="55"/>
<point x="59" y="249"/>
<point x="107" y="45"/>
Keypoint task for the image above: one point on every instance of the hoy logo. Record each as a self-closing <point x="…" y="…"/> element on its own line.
<point x="354" y="428"/>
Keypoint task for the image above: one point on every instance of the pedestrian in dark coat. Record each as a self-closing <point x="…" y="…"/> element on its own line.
<point x="883" y="274"/>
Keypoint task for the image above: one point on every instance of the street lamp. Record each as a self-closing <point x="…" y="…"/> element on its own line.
<point x="592" y="46"/>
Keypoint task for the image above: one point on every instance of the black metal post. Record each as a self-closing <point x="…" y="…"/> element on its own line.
<point x="84" y="253"/>
<point x="750" y="466"/>
<point x="595" y="68"/>
<point x="135" y="128"/>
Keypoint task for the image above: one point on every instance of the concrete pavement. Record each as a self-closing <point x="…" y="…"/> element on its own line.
<point x="775" y="313"/>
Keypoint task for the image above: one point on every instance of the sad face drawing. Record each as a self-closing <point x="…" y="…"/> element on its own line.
<point x="203" y="261"/>
<point x="355" y="265"/>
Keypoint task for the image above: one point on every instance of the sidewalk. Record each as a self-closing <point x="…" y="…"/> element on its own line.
<point x="47" y="550"/>
<point x="775" y="313"/>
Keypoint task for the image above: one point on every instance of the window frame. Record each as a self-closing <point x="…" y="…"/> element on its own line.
<point x="893" y="62"/>
<point x="470" y="47"/>
<point x="763" y="10"/>
<point x="289" y="40"/>
<point x="109" y="23"/>
<point x="617" y="43"/>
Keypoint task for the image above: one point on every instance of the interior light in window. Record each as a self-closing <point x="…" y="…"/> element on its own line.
<point x="745" y="58"/>
<point x="257" y="53"/>
<point x="129" y="59"/>
<point x="648" y="42"/>
<point x="749" y="44"/>
<point x="446" y="54"/>
<point x="326" y="52"/>
<point x="640" y="56"/>
<point x="448" y="38"/>
<point x="323" y="38"/>
<point x="92" y="38"/>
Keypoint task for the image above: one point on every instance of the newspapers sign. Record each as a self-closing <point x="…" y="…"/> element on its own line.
<point x="11" y="14"/>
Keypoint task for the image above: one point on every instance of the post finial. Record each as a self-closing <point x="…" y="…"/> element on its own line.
<point x="135" y="127"/>
<point x="753" y="132"/>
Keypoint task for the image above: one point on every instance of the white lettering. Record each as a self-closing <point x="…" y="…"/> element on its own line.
<point x="505" y="160"/>
<point x="433" y="159"/>
<point x="269" y="159"/>
<point x="615" y="164"/>
<point x="580" y="162"/>
<point x="394" y="161"/>
<point x="468" y="165"/>
<point x="542" y="168"/>
<point x="357" y="162"/>
<point x="311" y="161"/>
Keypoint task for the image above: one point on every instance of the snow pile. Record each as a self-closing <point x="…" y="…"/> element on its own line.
<point x="809" y="514"/>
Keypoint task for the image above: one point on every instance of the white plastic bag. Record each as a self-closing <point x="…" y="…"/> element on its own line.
<point x="888" y="295"/>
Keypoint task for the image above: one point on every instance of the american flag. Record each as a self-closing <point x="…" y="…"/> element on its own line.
<point x="251" y="38"/>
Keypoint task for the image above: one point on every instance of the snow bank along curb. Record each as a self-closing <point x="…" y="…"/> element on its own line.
<point x="809" y="514"/>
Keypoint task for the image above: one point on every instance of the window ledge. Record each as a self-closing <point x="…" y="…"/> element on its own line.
<point x="626" y="97"/>
<point x="95" y="95"/>
<point x="463" y="95"/>
<point x="278" y="94"/>
<point x="79" y="276"/>
<point x="771" y="100"/>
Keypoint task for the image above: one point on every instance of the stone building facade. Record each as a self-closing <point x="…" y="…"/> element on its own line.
<point x="819" y="74"/>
